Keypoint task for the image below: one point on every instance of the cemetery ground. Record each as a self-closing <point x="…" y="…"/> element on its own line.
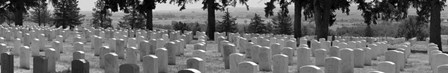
<point x="416" y="63"/>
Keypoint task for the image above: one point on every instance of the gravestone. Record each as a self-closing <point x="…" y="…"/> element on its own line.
<point x="7" y="62"/>
<point x="265" y="59"/>
<point x="35" y="47"/>
<point x="177" y="47"/>
<point x="396" y="57"/>
<point x="17" y="44"/>
<point x="234" y="59"/>
<point x="144" y="48"/>
<point x="276" y="48"/>
<point x="247" y="67"/>
<point x="162" y="55"/>
<point x="132" y="55"/>
<point x="189" y="71"/>
<point x="129" y="68"/>
<point x="80" y="66"/>
<point x="432" y="54"/>
<point x="333" y="65"/>
<point x="367" y="56"/>
<point x="333" y="51"/>
<point x="199" y="53"/>
<point x="387" y="67"/>
<point x="104" y="50"/>
<point x="320" y="55"/>
<point x="57" y="45"/>
<point x="170" y="46"/>
<point x="358" y="57"/>
<point x="111" y="63"/>
<point x="303" y="56"/>
<point x="291" y="43"/>
<point x="196" y="63"/>
<point x="78" y="46"/>
<point x="310" y="69"/>
<point x="25" y="57"/>
<point x="439" y="59"/>
<point x="199" y="46"/>
<point x="182" y="47"/>
<point x="3" y="48"/>
<point x="78" y="55"/>
<point x="150" y="64"/>
<point x="288" y="51"/>
<point x="221" y="46"/>
<point x="153" y="46"/>
<point x="249" y="50"/>
<point x="96" y="45"/>
<point x="50" y="54"/>
<point x="228" y="49"/>
<point x="376" y="72"/>
<point x="40" y="64"/>
<point x="442" y="68"/>
<point x="346" y="55"/>
<point x="280" y="63"/>
<point x="120" y="47"/>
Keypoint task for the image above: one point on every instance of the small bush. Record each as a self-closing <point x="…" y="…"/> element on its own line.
<point x="411" y="27"/>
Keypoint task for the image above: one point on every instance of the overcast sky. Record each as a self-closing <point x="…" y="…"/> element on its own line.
<point x="87" y="5"/>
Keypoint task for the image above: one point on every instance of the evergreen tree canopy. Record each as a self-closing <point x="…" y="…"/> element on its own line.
<point x="132" y="20"/>
<point x="282" y="23"/>
<point x="257" y="26"/>
<point x="101" y="18"/>
<point x="228" y="23"/>
<point x="18" y="7"/>
<point x="66" y="14"/>
<point x="41" y="14"/>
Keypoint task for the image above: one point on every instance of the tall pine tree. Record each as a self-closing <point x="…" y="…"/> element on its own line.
<point x="228" y="23"/>
<point x="66" y="14"/>
<point x="41" y="15"/>
<point x="101" y="17"/>
<point x="132" y="20"/>
<point x="257" y="26"/>
<point x="282" y="23"/>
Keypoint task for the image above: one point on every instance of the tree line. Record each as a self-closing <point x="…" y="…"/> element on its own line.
<point x="66" y="13"/>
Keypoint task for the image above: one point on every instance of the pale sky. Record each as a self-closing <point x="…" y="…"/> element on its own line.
<point x="87" y="5"/>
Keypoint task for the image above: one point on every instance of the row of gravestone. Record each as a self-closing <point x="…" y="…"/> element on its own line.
<point x="312" y="51"/>
<point x="359" y="54"/>
<point x="78" y="47"/>
<point x="41" y="65"/>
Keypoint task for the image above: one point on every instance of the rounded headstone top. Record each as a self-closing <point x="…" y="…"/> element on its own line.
<point x="190" y="70"/>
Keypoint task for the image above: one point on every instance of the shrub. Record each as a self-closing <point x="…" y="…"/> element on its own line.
<point x="411" y="27"/>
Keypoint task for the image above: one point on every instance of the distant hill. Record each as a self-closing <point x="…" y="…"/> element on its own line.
<point x="243" y="15"/>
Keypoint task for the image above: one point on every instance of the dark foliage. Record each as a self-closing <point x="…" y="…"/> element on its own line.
<point x="257" y="25"/>
<point x="101" y="18"/>
<point x="411" y="28"/>
<point x="228" y="23"/>
<point x="282" y="23"/>
<point x="66" y="14"/>
<point x="41" y="15"/>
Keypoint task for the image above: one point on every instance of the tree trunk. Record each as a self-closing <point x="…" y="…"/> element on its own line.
<point x="211" y="19"/>
<point x="434" y="27"/>
<point x="368" y="31"/>
<point x="149" y="24"/>
<point x="19" y="12"/>
<point x="148" y="16"/>
<point x="325" y="19"/>
<point x="317" y="18"/>
<point x="39" y="17"/>
<point x="132" y="23"/>
<point x="297" y="20"/>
